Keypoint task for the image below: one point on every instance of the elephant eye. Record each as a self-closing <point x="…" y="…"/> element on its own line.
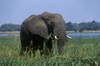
<point x="47" y="19"/>
<point x="52" y="23"/>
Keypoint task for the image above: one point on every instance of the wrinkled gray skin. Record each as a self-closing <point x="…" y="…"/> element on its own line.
<point x="37" y="27"/>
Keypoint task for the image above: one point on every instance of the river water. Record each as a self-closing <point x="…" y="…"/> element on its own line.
<point x="84" y="35"/>
<point x="73" y="35"/>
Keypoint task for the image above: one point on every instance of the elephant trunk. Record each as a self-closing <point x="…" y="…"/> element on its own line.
<point x="61" y="41"/>
<point x="59" y="31"/>
<point x="60" y="46"/>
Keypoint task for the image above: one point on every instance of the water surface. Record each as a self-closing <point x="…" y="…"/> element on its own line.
<point x="84" y="35"/>
<point x="73" y="35"/>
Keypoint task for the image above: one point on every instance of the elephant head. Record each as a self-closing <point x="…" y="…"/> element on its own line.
<point x="43" y="25"/>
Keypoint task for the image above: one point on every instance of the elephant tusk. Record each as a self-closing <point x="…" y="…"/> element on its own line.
<point x="56" y="37"/>
<point x="68" y="37"/>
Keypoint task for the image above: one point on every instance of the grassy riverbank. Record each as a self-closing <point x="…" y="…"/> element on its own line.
<point x="10" y="32"/>
<point x="77" y="52"/>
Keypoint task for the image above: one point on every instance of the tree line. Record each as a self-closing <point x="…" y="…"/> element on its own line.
<point x="10" y="27"/>
<point x="93" y="25"/>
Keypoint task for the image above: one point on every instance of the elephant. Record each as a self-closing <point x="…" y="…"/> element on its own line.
<point x="36" y="28"/>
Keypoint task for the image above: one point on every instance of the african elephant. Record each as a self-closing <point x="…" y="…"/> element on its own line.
<point x="37" y="27"/>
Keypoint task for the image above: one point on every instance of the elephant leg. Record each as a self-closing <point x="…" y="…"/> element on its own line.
<point x="34" y="47"/>
<point x="22" y="47"/>
<point x="25" y="46"/>
<point x="49" y="47"/>
<point x="38" y="40"/>
<point x="41" y="49"/>
<point x="28" y="47"/>
<point x="40" y="46"/>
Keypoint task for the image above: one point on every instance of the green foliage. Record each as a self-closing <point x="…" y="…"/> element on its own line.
<point x="83" y="26"/>
<point x="77" y="52"/>
<point x="10" y="27"/>
<point x="69" y="26"/>
<point x="75" y="27"/>
<point x="89" y="26"/>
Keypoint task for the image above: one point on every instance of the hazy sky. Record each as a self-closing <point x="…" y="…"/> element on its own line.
<point x="76" y="11"/>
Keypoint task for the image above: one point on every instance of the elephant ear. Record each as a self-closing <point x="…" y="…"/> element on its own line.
<point x="37" y="26"/>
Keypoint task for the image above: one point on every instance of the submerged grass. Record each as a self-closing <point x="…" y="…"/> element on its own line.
<point x="77" y="52"/>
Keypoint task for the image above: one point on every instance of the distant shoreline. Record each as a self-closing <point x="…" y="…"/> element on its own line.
<point x="10" y="32"/>
<point x="85" y="31"/>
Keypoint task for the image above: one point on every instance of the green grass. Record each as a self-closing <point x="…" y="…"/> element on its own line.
<point x="77" y="52"/>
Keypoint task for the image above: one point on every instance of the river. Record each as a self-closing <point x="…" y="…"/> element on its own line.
<point x="73" y="35"/>
<point x="84" y="35"/>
